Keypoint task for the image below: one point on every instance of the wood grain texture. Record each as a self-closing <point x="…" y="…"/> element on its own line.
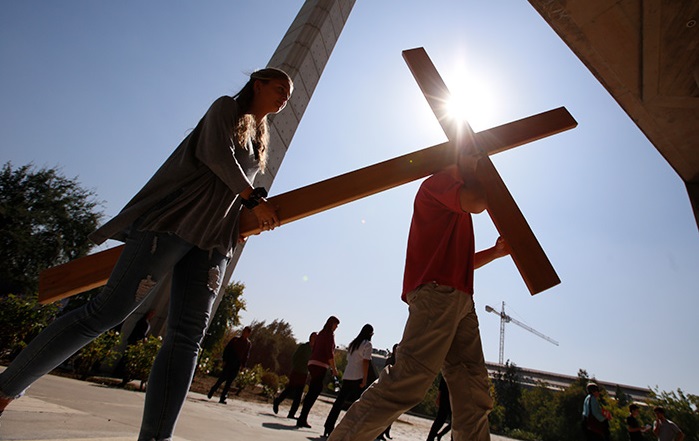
<point x="93" y="271"/>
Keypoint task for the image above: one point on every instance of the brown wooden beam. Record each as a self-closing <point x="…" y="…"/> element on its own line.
<point x="529" y="257"/>
<point x="78" y="275"/>
<point x="92" y="271"/>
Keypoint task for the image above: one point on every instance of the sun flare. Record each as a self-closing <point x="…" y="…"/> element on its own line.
<point x="472" y="99"/>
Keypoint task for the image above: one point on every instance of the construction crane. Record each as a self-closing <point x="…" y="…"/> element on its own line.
<point x="504" y="318"/>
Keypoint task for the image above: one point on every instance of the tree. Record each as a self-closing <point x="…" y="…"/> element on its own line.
<point x="21" y="319"/>
<point x="341" y="361"/>
<point x="139" y="358"/>
<point x="44" y="221"/>
<point x="541" y="410"/>
<point x="272" y="345"/>
<point x="570" y="407"/>
<point x="102" y="349"/>
<point x="226" y="317"/>
<point x="622" y="398"/>
<point x="681" y="408"/>
<point x="508" y="393"/>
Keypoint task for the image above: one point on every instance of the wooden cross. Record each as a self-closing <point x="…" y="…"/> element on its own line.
<point x="93" y="271"/>
<point x="529" y="257"/>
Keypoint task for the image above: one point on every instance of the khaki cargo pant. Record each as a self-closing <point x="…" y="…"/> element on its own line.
<point x="441" y="333"/>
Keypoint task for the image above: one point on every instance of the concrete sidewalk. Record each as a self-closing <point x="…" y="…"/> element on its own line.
<point x="58" y="408"/>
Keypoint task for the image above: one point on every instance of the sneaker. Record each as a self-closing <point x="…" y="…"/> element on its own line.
<point x="223" y="401"/>
<point x="302" y="424"/>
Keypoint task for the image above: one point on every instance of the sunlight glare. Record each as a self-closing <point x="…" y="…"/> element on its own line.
<point x="472" y="99"/>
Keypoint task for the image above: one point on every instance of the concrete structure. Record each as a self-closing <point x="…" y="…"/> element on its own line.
<point x="533" y="378"/>
<point x="646" y="54"/>
<point x="558" y="382"/>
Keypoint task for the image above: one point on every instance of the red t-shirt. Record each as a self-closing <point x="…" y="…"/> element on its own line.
<point x="440" y="245"/>
<point x="324" y="348"/>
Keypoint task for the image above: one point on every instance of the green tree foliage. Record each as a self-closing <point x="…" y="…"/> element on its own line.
<point x="496" y="416"/>
<point x="680" y="408"/>
<point x="541" y="412"/>
<point x="570" y="408"/>
<point x="508" y="393"/>
<point x="139" y="358"/>
<point x="272" y="345"/>
<point x="248" y="378"/>
<point x="227" y="316"/>
<point x="270" y="384"/>
<point x="341" y="361"/>
<point x="103" y="349"/>
<point x="21" y="318"/>
<point x="44" y="221"/>
<point x="622" y="398"/>
<point x="556" y="415"/>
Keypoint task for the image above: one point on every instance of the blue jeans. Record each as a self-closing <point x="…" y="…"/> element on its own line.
<point x="146" y="260"/>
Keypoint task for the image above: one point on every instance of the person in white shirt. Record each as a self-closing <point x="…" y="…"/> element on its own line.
<point x="665" y="429"/>
<point x="355" y="377"/>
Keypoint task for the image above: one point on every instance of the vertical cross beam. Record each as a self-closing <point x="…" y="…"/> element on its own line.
<point x="529" y="257"/>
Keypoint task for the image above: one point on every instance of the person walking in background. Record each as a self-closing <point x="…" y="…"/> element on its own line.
<point x="441" y="332"/>
<point x="444" y="431"/>
<point x="182" y="225"/>
<point x="322" y="358"/>
<point x="356" y="374"/>
<point x="235" y="357"/>
<point x="140" y="332"/>
<point x="594" y="421"/>
<point x="141" y="328"/>
<point x="633" y="426"/>
<point x="297" y="377"/>
<point x="443" y="411"/>
<point x="665" y="429"/>
<point x="390" y="361"/>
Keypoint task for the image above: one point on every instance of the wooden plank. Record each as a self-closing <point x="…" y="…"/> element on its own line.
<point x="529" y="257"/>
<point x="93" y="271"/>
<point x="342" y="189"/>
<point x="78" y="275"/>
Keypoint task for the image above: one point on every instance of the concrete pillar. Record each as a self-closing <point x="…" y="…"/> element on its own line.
<point x="303" y="53"/>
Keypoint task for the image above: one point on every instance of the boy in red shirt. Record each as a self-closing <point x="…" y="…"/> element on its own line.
<point x="441" y="332"/>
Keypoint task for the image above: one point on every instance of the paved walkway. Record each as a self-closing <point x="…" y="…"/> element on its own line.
<point x="58" y="408"/>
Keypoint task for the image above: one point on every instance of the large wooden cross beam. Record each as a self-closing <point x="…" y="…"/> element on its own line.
<point x="529" y="257"/>
<point x="93" y="271"/>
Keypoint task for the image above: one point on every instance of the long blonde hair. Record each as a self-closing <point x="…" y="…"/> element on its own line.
<point x="246" y="128"/>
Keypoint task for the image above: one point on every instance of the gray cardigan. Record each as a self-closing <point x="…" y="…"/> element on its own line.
<point x="194" y="194"/>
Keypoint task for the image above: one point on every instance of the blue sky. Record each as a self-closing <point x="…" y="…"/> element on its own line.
<point x="106" y="90"/>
